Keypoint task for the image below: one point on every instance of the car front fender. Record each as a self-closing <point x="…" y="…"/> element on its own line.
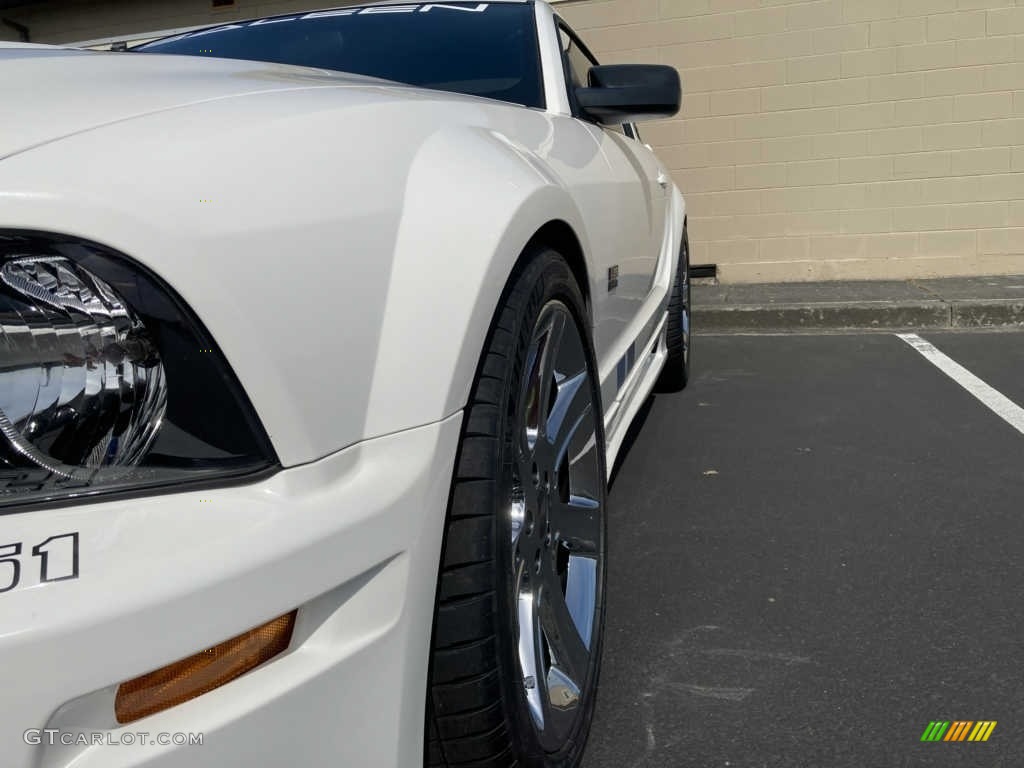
<point x="472" y="203"/>
<point x="349" y="274"/>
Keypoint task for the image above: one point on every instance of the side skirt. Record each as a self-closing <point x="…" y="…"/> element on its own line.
<point x="619" y="414"/>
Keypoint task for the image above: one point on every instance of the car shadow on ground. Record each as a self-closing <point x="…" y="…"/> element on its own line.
<point x="631" y="434"/>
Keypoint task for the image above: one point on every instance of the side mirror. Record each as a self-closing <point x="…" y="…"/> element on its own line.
<point x="624" y="93"/>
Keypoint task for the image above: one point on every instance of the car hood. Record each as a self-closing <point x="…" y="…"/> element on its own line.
<point x="63" y="91"/>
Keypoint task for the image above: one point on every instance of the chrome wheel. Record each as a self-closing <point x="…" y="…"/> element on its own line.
<point x="556" y="525"/>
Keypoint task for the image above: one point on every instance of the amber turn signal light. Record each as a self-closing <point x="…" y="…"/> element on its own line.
<point x="183" y="680"/>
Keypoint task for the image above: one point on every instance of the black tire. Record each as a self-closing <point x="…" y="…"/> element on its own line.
<point x="676" y="372"/>
<point x="478" y="707"/>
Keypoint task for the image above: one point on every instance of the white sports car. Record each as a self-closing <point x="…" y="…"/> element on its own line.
<point x="319" y="335"/>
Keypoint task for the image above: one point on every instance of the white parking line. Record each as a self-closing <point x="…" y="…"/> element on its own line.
<point x="993" y="399"/>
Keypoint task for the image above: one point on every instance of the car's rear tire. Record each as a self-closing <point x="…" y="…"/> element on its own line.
<point x="676" y="372"/>
<point x="520" y="603"/>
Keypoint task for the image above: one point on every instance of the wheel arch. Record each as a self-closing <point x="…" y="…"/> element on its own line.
<point x="561" y="237"/>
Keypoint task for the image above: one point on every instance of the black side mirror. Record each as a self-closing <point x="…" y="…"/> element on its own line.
<point x="624" y="93"/>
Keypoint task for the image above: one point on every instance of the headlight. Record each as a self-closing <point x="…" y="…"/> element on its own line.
<point x="107" y="381"/>
<point x="82" y="385"/>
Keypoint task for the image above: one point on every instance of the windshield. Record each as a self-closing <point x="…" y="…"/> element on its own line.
<point x="482" y="49"/>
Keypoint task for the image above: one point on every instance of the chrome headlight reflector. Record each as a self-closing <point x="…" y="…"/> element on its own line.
<point x="81" y="385"/>
<point x="108" y="382"/>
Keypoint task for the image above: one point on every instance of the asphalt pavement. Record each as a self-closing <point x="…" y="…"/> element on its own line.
<point x="816" y="550"/>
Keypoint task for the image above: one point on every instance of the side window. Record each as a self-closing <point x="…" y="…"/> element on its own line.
<point x="578" y="61"/>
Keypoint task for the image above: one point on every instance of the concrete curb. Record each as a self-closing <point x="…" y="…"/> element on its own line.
<point x="987" y="313"/>
<point x="880" y="315"/>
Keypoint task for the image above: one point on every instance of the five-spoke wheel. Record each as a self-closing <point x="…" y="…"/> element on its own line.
<point x="555" y="522"/>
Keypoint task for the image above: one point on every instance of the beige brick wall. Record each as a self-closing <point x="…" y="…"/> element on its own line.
<point x="819" y="139"/>
<point x="827" y="139"/>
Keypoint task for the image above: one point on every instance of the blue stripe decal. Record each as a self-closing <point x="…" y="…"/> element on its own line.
<point x="625" y="365"/>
